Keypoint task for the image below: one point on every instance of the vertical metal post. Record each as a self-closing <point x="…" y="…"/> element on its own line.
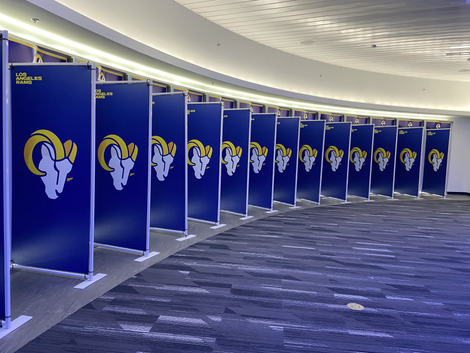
<point x="6" y="125"/>
<point x="92" y="68"/>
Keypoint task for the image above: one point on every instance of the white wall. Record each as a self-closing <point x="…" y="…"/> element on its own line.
<point x="459" y="168"/>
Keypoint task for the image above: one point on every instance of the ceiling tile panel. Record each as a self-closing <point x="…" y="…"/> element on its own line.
<point x="411" y="37"/>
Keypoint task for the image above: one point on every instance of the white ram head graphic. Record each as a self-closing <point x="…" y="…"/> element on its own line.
<point x="381" y="157"/>
<point x="56" y="161"/>
<point x="258" y="156"/>
<point x="163" y="156"/>
<point x="282" y="157"/>
<point x="334" y="157"/>
<point x="201" y="157"/>
<point x="122" y="159"/>
<point x="407" y="158"/>
<point x="232" y="156"/>
<point x="435" y="158"/>
<point x="357" y="157"/>
<point x="307" y="156"/>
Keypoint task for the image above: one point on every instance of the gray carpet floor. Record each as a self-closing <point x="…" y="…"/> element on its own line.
<point x="283" y="284"/>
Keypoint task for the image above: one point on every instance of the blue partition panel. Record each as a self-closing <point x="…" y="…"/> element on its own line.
<point x="287" y="149"/>
<point x="360" y="159"/>
<point x="5" y="185"/>
<point x="122" y="167"/>
<point x="383" y="164"/>
<point x="235" y="160"/>
<point x="435" y="161"/>
<point x="204" y="155"/>
<point x="336" y="164"/>
<point x="52" y="155"/>
<point x="263" y="144"/>
<point x="312" y="135"/>
<point x="169" y="191"/>
<point x="408" y="160"/>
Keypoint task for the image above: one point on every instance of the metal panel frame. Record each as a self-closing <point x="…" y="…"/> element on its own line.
<point x="220" y="158"/>
<point x="6" y="126"/>
<point x="145" y="253"/>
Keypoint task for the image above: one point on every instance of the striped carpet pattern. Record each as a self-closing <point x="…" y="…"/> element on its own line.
<point x="283" y="284"/>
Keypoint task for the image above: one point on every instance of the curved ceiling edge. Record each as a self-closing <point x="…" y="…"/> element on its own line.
<point x="337" y="86"/>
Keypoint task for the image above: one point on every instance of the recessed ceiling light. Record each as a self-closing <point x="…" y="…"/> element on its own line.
<point x="464" y="70"/>
<point x="307" y="42"/>
<point x="460" y="47"/>
<point x="35" y="20"/>
<point x="458" y="53"/>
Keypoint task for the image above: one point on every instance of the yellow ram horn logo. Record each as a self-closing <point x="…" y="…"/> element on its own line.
<point x="169" y="148"/>
<point x="114" y="140"/>
<point x="384" y="154"/>
<point x="282" y="158"/>
<point x="435" y="158"/>
<point x="261" y="151"/>
<point x="234" y="151"/>
<point x="122" y="159"/>
<point x="311" y="152"/>
<point x="205" y="151"/>
<point x="408" y="158"/>
<point x="339" y="153"/>
<point x="438" y="155"/>
<point x="163" y="155"/>
<point x="307" y="156"/>
<point x="334" y="157"/>
<point x="258" y="156"/>
<point x="200" y="158"/>
<point x="362" y="154"/>
<point x="232" y="157"/>
<point x="56" y="160"/>
<point x="67" y="150"/>
<point x="407" y="150"/>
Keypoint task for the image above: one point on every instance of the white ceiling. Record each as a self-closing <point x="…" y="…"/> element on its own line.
<point x="412" y="36"/>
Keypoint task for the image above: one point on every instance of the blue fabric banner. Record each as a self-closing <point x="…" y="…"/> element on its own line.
<point x="336" y="164"/>
<point x="169" y="192"/>
<point x="235" y="160"/>
<point x="360" y="159"/>
<point x="312" y="134"/>
<point x="436" y="157"/>
<point x="287" y="150"/>
<point x="204" y="155"/>
<point x="262" y="146"/>
<point x="52" y="124"/>
<point x="408" y="160"/>
<point x="383" y="160"/>
<point x="122" y="167"/>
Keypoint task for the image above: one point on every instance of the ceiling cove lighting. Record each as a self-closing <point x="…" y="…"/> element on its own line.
<point x="460" y="47"/>
<point x="42" y="37"/>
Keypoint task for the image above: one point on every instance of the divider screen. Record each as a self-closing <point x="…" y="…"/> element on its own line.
<point x="287" y="150"/>
<point x="169" y="175"/>
<point x="436" y="157"/>
<point x="262" y="147"/>
<point x="383" y="163"/>
<point x="204" y="155"/>
<point x="122" y="164"/>
<point x="312" y="136"/>
<point x="408" y="160"/>
<point x="235" y="160"/>
<point x="336" y="164"/>
<point x="52" y="108"/>
<point x="360" y="159"/>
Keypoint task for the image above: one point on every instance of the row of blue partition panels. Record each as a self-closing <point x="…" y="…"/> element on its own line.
<point x="104" y="162"/>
